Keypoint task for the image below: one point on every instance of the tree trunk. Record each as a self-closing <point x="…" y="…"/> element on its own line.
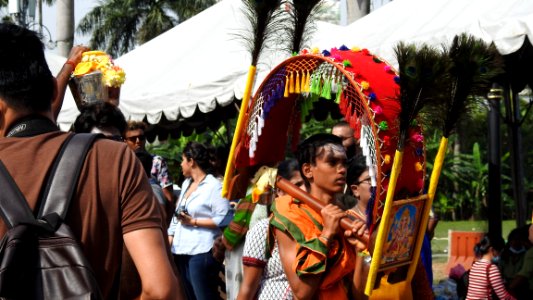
<point x="65" y="26"/>
<point x="514" y="121"/>
<point x="494" y="211"/>
<point x="357" y="9"/>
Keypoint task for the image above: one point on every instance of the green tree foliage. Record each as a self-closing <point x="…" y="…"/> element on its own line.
<point x="117" y="26"/>
<point x="462" y="190"/>
<point x="172" y="149"/>
<point x="313" y="127"/>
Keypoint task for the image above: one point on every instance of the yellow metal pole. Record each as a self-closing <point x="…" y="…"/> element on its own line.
<point x="238" y="130"/>
<point x="433" y="182"/>
<point x="385" y="223"/>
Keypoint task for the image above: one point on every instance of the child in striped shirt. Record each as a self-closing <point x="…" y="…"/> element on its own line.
<point x="485" y="278"/>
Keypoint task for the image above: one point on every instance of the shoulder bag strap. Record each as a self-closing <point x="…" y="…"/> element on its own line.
<point x="14" y="208"/>
<point x="489" y="289"/>
<point x="64" y="175"/>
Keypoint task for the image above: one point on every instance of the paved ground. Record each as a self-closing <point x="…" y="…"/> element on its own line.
<point x="439" y="265"/>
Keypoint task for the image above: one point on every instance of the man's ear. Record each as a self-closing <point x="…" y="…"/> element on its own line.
<point x="306" y="170"/>
<point x="2" y="116"/>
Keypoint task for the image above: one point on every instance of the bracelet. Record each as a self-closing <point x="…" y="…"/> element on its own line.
<point x="195" y="223"/>
<point x="70" y="62"/>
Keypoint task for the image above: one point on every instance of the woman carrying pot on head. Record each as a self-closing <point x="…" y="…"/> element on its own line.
<point x="200" y="210"/>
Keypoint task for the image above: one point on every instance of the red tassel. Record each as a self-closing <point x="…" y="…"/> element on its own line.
<point x="343" y="106"/>
<point x="347" y="111"/>
<point x="354" y="123"/>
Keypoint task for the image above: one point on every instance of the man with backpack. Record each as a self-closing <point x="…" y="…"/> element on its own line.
<point x="112" y="202"/>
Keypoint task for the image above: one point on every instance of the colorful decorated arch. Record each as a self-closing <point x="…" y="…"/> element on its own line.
<point x="366" y="90"/>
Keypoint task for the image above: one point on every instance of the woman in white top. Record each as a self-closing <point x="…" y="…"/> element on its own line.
<point x="192" y="231"/>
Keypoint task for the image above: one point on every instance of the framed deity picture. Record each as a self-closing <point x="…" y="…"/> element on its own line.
<point x="402" y="233"/>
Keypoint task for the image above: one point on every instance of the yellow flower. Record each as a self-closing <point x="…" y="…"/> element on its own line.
<point x="91" y="61"/>
<point x="84" y="67"/>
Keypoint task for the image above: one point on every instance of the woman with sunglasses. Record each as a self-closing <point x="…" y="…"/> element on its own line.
<point x="360" y="184"/>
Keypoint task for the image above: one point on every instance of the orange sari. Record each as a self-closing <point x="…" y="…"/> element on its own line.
<point x="304" y="225"/>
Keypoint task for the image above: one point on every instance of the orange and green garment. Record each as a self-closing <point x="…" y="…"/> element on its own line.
<point x="236" y="231"/>
<point x="304" y="225"/>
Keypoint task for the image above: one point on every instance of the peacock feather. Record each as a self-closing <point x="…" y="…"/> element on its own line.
<point x="301" y="22"/>
<point x="474" y="64"/>
<point x="422" y="74"/>
<point x="266" y="19"/>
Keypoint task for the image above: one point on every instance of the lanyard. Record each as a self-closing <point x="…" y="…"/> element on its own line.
<point x="30" y="126"/>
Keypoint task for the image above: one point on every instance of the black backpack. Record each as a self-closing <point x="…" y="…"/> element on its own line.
<point x="39" y="256"/>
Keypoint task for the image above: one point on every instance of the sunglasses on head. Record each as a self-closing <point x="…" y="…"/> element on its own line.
<point x="133" y="139"/>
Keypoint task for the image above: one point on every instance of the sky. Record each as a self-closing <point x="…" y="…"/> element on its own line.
<point x="82" y="7"/>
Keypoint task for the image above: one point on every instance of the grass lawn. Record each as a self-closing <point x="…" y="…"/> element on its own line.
<point x="439" y="244"/>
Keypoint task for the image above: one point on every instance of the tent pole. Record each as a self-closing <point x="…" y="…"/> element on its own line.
<point x="494" y="206"/>
<point x="512" y="109"/>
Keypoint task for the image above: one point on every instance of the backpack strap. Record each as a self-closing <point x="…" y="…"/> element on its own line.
<point x="14" y="208"/>
<point x="64" y="175"/>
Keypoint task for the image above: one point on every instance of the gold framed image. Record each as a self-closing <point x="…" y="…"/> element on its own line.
<point x="403" y="231"/>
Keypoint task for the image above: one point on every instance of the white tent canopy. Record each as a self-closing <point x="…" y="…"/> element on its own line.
<point x="69" y="111"/>
<point x="436" y="22"/>
<point x="198" y="64"/>
<point x="202" y="62"/>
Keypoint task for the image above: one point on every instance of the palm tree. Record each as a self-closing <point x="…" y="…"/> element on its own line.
<point x="3" y="16"/>
<point x="357" y="9"/>
<point x="118" y="25"/>
<point x="65" y="25"/>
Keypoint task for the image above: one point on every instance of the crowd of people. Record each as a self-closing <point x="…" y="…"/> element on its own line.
<point x="144" y="242"/>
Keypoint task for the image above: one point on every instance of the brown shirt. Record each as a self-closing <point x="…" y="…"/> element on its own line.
<point x="113" y="195"/>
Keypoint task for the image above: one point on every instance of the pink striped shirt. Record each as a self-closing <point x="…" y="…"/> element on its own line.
<point x="485" y="277"/>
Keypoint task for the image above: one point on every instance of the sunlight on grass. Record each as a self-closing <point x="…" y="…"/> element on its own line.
<point x="439" y="244"/>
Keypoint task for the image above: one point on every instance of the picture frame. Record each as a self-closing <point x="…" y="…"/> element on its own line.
<point x="402" y="233"/>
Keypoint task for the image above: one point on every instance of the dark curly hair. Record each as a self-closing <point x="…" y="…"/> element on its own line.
<point x="204" y="156"/>
<point x="489" y="240"/>
<point x="313" y="147"/>
<point x="287" y="167"/>
<point x="26" y="82"/>
<point x="356" y="167"/>
<point x="100" y="115"/>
